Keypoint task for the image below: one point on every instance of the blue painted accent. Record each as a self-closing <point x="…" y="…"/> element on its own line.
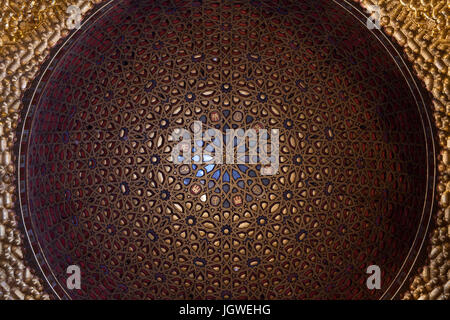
<point x="235" y="174"/>
<point x="242" y="168"/>
<point x="216" y="175"/>
<point x="65" y="137"/>
<point x="200" y="173"/>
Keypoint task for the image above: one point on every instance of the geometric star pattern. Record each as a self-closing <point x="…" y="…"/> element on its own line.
<point x="103" y="192"/>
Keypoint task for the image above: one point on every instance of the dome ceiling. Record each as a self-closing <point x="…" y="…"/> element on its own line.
<point x="100" y="189"/>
